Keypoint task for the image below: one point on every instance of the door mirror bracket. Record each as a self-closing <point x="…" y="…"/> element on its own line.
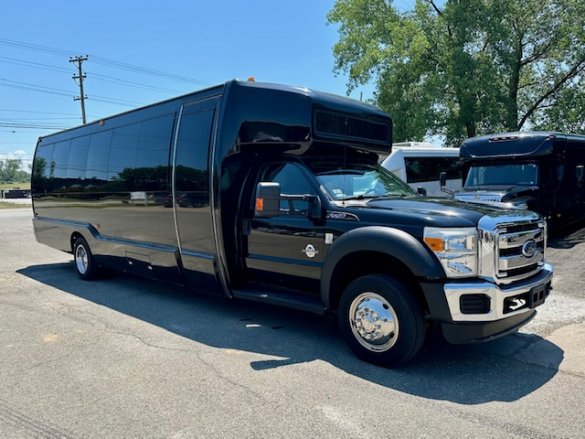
<point x="443" y="183"/>
<point x="269" y="197"/>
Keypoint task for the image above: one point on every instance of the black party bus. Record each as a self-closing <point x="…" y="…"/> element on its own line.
<point x="273" y="193"/>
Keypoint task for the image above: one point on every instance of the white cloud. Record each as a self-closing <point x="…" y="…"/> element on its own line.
<point x="19" y="154"/>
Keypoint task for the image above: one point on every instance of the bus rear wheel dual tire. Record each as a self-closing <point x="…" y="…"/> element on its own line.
<point x="381" y="320"/>
<point x="84" y="260"/>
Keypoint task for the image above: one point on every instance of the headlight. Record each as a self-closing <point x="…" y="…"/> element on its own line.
<point x="455" y="248"/>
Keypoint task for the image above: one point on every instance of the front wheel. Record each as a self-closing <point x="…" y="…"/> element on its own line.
<point x="381" y="320"/>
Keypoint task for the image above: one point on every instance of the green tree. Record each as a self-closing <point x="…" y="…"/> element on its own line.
<point x="465" y="67"/>
<point x="10" y="169"/>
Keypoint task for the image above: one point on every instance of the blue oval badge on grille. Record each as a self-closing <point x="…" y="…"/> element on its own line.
<point x="529" y="248"/>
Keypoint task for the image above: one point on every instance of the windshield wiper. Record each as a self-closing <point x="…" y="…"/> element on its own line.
<point x="360" y="197"/>
<point x="369" y="197"/>
<point x="397" y="194"/>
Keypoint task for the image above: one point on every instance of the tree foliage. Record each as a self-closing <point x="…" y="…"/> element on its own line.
<point x="10" y="171"/>
<point x="460" y="68"/>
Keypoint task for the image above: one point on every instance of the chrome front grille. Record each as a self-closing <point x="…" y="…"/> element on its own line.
<point x="512" y="247"/>
<point x="520" y="250"/>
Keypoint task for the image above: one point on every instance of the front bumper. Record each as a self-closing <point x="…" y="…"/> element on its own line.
<point x="496" y="310"/>
<point x="504" y="301"/>
<point x="479" y="332"/>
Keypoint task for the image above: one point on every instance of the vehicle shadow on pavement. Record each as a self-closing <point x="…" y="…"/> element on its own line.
<point x="471" y="374"/>
<point x="568" y="238"/>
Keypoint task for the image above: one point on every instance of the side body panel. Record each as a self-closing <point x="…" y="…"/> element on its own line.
<point x="111" y="182"/>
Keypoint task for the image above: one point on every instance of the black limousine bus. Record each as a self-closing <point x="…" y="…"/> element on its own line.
<point x="540" y="171"/>
<point x="274" y="194"/>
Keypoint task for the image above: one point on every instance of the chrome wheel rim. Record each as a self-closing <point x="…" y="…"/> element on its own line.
<point x="81" y="259"/>
<point x="373" y="322"/>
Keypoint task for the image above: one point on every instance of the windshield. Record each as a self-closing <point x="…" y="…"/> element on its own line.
<point x="521" y="174"/>
<point x="358" y="181"/>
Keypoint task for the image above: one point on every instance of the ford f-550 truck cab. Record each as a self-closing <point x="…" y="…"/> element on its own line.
<point x="273" y="194"/>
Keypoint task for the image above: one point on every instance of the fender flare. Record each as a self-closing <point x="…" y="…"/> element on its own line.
<point x="392" y="242"/>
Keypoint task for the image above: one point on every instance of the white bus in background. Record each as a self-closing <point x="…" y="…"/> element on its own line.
<point x="420" y="164"/>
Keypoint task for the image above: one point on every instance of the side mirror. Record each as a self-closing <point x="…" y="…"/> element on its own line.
<point x="443" y="179"/>
<point x="443" y="183"/>
<point x="267" y="199"/>
<point x="421" y="191"/>
<point x="580" y="173"/>
<point x="315" y="207"/>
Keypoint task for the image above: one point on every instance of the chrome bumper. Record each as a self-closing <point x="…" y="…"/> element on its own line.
<point x="496" y="294"/>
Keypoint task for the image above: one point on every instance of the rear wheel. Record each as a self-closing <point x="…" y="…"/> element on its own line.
<point x="381" y="320"/>
<point x="85" y="264"/>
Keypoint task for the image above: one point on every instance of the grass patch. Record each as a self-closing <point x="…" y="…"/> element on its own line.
<point x="23" y="185"/>
<point x="5" y="205"/>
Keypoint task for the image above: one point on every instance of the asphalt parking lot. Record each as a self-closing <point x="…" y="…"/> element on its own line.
<point x="127" y="357"/>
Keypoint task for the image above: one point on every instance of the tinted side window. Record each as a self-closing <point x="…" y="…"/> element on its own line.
<point x="152" y="158"/>
<point x="419" y="169"/>
<point x="96" y="170"/>
<point x="41" y="171"/>
<point x="123" y="158"/>
<point x="60" y="158"/>
<point x="77" y="158"/>
<point x="193" y="152"/>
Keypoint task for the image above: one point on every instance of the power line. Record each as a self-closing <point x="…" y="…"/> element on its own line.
<point x="35" y="112"/>
<point x="33" y="119"/>
<point x="34" y="87"/>
<point x="116" y="101"/>
<point x="111" y="79"/>
<point x="98" y="76"/>
<point x="101" y="60"/>
<point x="145" y="70"/>
<point x="56" y="91"/>
<point x="22" y="62"/>
<point x="35" y="47"/>
<point x="32" y="126"/>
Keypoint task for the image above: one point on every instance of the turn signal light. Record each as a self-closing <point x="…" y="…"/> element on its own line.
<point x="435" y="244"/>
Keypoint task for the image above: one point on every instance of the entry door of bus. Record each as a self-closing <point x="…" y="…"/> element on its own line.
<point x="192" y="211"/>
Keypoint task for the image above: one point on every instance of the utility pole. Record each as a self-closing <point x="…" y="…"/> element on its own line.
<point x="78" y="60"/>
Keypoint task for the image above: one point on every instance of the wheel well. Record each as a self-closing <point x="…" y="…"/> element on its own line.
<point x="74" y="238"/>
<point x="362" y="263"/>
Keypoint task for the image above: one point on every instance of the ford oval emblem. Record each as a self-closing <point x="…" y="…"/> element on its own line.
<point x="529" y="248"/>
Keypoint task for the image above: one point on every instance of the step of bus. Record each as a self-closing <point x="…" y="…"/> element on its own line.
<point x="303" y="302"/>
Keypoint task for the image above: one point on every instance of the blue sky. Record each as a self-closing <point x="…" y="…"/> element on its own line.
<point x="204" y="42"/>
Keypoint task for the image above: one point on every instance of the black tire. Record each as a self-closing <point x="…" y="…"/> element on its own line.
<point x="84" y="260"/>
<point x="381" y="320"/>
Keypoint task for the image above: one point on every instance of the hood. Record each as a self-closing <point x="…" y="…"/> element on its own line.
<point x="422" y="212"/>
<point x="511" y="197"/>
<point x="480" y="196"/>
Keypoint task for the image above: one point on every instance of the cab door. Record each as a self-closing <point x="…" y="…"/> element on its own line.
<point x="286" y="250"/>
